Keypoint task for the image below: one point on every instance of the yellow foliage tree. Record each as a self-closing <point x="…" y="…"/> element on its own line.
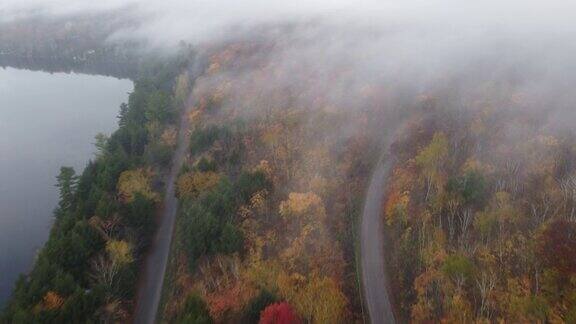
<point x="191" y="184"/>
<point x="396" y="206"/>
<point x="421" y="311"/>
<point x="308" y="246"/>
<point x="430" y="160"/>
<point x="264" y="167"/>
<point x="120" y="252"/>
<point x="458" y="310"/>
<point x="169" y="136"/>
<point x="318" y="298"/>
<point x="307" y="206"/>
<point x="303" y="214"/>
<point x="134" y="182"/>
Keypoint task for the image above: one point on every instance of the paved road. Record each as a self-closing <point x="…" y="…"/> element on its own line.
<point x="374" y="279"/>
<point x="150" y="286"/>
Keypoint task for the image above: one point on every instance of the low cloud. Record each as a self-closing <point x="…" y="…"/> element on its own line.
<point x="168" y="21"/>
<point x="418" y="44"/>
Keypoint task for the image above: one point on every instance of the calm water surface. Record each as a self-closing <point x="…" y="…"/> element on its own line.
<point x="46" y="121"/>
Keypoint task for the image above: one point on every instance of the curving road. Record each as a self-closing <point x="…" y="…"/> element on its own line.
<point x="150" y="285"/>
<point x="374" y="279"/>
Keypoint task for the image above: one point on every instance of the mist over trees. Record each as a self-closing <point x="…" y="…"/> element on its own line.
<point x="288" y="120"/>
<point x="471" y="215"/>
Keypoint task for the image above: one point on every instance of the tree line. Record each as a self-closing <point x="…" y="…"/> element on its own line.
<point x="88" y="268"/>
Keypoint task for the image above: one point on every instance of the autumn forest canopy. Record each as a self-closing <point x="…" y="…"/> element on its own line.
<point x="279" y="129"/>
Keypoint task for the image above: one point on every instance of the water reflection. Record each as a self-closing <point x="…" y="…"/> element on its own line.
<point x="46" y="121"/>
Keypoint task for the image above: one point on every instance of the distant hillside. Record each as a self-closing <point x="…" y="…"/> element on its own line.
<point x="75" y="43"/>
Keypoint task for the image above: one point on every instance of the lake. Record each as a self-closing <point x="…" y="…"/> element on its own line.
<point x="46" y="121"/>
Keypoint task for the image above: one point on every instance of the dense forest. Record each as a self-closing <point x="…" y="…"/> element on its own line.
<point x="480" y="214"/>
<point x="88" y="268"/>
<point x="269" y="202"/>
<point x="479" y="209"/>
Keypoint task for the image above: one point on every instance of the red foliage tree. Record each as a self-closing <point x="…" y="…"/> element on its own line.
<point x="557" y="246"/>
<point x="279" y="313"/>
